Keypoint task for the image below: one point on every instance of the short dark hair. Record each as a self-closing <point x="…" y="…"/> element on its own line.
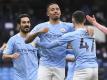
<point x="51" y="4"/>
<point x="21" y="16"/>
<point x="79" y="16"/>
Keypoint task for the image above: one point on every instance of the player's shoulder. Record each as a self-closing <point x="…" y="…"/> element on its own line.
<point x="73" y="33"/>
<point x="78" y="32"/>
<point x="39" y="26"/>
<point x="68" y="26"/>
<point x="68" y="23"/>
<point x="13" y="38"/>
<point x="70" y="34"/>
<point x="42" y="24"/>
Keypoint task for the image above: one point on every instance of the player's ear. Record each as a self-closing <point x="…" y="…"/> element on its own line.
<point x="18" y="27"/>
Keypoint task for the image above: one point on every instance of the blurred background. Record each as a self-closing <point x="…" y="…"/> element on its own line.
<point x="9" y="9"/>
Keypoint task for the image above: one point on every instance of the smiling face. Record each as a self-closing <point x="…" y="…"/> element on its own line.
<point x="54" y="12"/>
<point x="25" y="24"/>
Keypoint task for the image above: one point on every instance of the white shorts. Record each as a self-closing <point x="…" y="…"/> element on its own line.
<point x="86" y="74"/>
<point x="51" y="73"/>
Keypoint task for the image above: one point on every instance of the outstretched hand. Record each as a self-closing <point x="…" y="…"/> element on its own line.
<point x="91" y="19"/>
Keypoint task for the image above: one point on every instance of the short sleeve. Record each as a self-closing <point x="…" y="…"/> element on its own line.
<point x="65" y="38"/>
<point x="35" y="29"/>
<point x="9" y="47"/>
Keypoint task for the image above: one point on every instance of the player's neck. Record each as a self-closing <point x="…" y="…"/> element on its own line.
<point x="23" y="34"/>
<point x="79" y="26"/>
<point x="54" y="21"/>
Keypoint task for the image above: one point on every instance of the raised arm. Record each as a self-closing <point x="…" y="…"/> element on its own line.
<point x="93" y="21"/>
<point x="31" y="36"/>
<point x="11" y="56"/>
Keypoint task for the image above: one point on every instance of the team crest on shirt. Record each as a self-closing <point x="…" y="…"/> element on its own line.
<point x="63" y="30"/>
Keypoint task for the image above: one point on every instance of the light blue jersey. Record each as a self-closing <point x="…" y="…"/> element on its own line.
<point x="83" y="45"/>
<point x="26" y="65"/>
<point x="54" y="57"/>
<point x="70" y="71"/>
<point x="70" y="65"/>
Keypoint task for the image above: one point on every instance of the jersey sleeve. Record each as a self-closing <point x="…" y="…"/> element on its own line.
<point x="35" y="29"/>
<point x="70" y="27"/>
<point x="68" y="37"/>
<point x="62" y="40"/>
<point x="9" y="47"/>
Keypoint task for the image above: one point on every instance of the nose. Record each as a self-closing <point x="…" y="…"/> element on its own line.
<point x="55" y="10"/>
<point x="27" y="24"/>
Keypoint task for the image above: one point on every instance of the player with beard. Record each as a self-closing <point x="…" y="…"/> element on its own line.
<point x="84" y="49"/>
<point x="24" y="56"/>
<point x="52" y="61"/>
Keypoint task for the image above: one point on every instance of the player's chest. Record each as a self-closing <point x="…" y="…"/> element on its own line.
<point x="55" y="32"/>
<point x="22" y="45"/>
<point x="58" y="29"/>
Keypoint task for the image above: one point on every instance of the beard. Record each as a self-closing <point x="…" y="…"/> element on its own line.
<point x="56" y="18"/>
<point x="25" y="30"/>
